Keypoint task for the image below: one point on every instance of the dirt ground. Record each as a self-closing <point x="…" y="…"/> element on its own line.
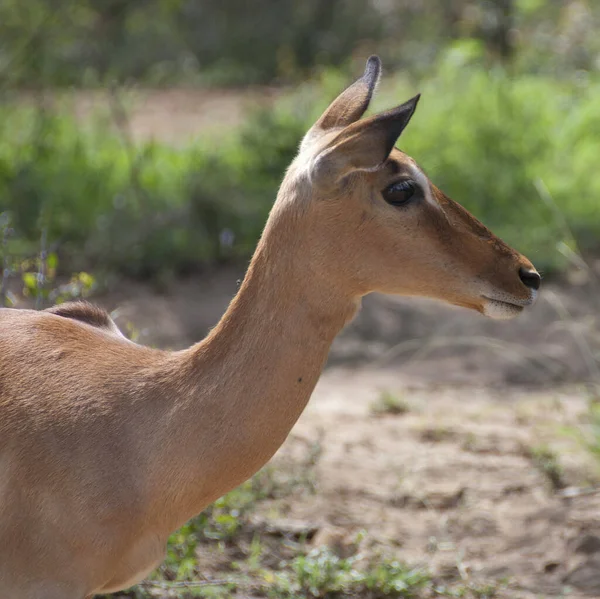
<point x="451" y="484"/>
<point x="175" y="116"/>
<point x="478" y="477"/>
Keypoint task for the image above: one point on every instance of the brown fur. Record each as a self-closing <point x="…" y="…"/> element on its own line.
<point x="106" y="446"/>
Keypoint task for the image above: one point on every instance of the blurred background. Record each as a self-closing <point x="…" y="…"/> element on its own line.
<point x="142" y="143"/>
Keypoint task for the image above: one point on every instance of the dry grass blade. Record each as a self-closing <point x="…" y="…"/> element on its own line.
<point x="515" y="352"/>
<point x="582" y="343"/>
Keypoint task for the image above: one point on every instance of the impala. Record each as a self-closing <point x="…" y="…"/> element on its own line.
<point x="106" y="446"/>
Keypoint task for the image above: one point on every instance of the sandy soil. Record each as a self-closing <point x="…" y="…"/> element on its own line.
<point x="175" y="116"/>
<point x="451" y="484"/>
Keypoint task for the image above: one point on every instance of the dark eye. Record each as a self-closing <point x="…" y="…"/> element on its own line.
<point x="399" y="193"/>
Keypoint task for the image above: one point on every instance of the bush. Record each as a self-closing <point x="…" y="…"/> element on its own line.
<point x="137" y="210"/>
<point x="518" y="152"/>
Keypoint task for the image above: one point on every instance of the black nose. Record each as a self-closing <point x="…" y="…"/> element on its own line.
<point x="530" y="278"/>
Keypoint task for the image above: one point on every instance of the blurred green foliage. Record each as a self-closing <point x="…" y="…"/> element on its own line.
<point x="93" y="42"/>
<point x="491" y="141"/>
<point x="162" y="42"/>
<point x="137" y="209"/>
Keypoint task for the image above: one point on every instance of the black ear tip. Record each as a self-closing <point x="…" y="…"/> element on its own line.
<point x="411" y="104"/>
<point x="372" y="68"/>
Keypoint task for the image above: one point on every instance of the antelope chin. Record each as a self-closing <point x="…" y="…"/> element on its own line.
<point x="505" y="310"/>
<point x="498" y="310"/>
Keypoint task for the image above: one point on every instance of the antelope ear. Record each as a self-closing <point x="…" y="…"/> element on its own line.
<point x="364" y="145"/>
<point x="352" y="103"/>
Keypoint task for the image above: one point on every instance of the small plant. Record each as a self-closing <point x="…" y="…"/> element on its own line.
<point x="322" y="574"/>
<point x="227" y="518"/>
<point x="389" y="403"/>
<point x="587" y="433"/>
<point x="437" y="433"/>
<point x="591" y="438"/>
<point x="471" y="590"/>
<point x="42" y="285"/>
<point x="546" y="461"/>
<point x="316" y="574"/>
<point x="221" y="522"/>
<point x="393" y="579"/>
<point x="38" y="274"/>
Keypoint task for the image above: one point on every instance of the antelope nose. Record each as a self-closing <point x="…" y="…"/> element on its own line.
<point x="530" y="278"/>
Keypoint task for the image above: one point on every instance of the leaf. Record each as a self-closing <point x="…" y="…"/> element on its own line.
<point x="30" y="281"/>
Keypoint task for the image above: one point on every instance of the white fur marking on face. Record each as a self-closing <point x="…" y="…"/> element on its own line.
<point x="423" y="182"/>
<point x="500" y="310"/>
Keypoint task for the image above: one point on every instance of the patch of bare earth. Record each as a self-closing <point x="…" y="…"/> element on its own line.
<point x="451" y="484"/>
<point x="174" y="116"/>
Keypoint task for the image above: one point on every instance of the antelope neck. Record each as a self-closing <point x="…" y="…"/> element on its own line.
<point x="253" y="375"/>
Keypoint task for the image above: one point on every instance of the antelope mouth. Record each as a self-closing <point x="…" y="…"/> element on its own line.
<point x="503" y="309"/>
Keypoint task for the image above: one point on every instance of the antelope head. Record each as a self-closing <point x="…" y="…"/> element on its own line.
<point x="373" y="221"/>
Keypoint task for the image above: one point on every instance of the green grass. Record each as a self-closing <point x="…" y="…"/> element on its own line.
<point x="321" y="574"/>
<point x="587" y="431"/>
<point x="590" y="437"/>
<point x="546" y="460"/>
<point x="389" y="403"/>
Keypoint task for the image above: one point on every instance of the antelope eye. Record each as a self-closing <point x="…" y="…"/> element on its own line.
<point x="399" y="193"/>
